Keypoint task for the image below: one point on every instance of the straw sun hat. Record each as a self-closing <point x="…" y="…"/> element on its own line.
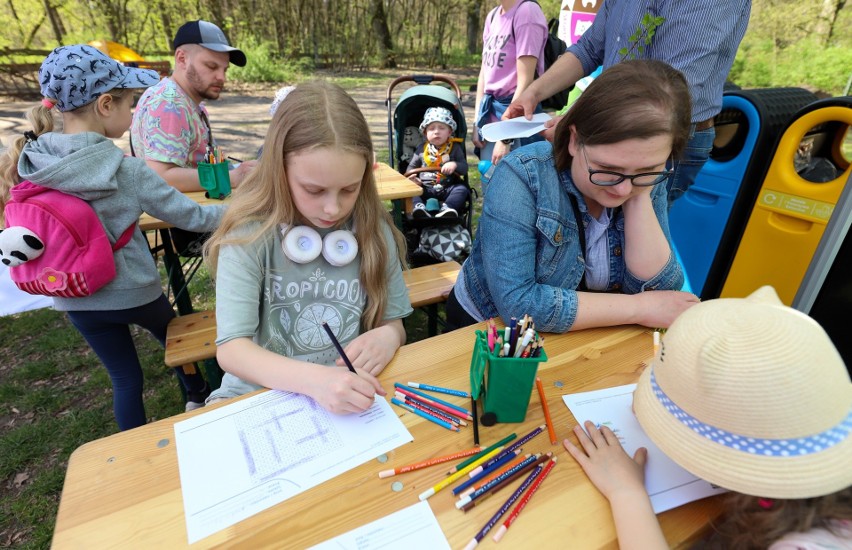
<point x="752" y="396"/>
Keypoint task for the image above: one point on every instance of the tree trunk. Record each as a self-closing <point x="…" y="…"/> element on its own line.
<point x="379" y="23"/>
<point x="824" y="27"/>
<point x="473" y="30"/>
<point x="54" y="21"/>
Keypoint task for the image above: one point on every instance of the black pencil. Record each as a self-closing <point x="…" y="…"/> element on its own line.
<point x="475" y="421"/>
<point x="338" y="346"/>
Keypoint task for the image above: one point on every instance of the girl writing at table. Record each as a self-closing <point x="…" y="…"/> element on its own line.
<point x="94" y="94"/>
<point x="576" y="233"/>
<point x="305" y="242"/>
<point x="751" y="396"/>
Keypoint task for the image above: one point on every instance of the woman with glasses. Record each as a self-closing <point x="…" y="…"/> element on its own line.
<point x="576" y="233"/>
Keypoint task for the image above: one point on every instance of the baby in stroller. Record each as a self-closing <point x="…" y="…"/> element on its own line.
<point x="443" y="189"/>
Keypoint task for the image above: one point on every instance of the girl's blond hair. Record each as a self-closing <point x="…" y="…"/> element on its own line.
<point x="41" y="120"/>
<point x="315" y="114"/>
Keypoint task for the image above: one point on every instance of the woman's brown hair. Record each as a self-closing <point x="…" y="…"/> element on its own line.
<point x="634" y="99"/>
<point x="315" y="114"/>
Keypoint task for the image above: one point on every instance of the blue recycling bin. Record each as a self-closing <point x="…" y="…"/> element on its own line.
<point x="707" y="221"/>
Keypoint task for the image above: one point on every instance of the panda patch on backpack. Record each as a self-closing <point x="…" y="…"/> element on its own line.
<point x="19" y="245"/>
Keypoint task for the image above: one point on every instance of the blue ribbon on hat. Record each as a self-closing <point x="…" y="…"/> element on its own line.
<point x="785" y="448"/>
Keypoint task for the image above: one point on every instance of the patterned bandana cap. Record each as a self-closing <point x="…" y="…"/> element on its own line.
<point x="74" y="76"/>
<point x="437" y="114"/>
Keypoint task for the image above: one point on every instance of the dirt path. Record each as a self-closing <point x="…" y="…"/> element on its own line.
<point x="241" y="116"/>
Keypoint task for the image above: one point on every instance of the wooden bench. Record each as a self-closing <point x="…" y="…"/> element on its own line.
<point x="192" y="338"/>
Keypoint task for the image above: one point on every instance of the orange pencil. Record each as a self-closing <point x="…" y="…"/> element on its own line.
<point x="429" y="462"/>
<point x="546" y="409"/>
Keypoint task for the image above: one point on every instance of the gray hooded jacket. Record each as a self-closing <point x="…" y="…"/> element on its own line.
<point x="119" y="188"/>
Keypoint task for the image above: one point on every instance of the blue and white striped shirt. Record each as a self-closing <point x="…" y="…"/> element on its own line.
<point x="698" y="37"/>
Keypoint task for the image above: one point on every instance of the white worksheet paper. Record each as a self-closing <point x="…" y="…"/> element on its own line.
<point x="668" y="484"/>
<point x="240" y="459"/>
<point x="412" y="528"/>
<point x="513" y="128"/>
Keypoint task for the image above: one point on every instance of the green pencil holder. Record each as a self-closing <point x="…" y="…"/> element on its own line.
<point x="215" y="179"/>
<point x="503" y="385"/>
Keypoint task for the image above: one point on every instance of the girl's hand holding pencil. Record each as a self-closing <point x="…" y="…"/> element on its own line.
<point x="339" y="391"/>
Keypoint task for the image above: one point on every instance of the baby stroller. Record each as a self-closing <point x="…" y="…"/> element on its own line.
<point x="434" y="239"/>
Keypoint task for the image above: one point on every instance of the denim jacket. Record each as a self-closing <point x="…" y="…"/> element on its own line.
<point x="527" y="255"/>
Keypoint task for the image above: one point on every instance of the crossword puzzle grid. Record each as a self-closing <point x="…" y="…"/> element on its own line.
<point x="277" y="437"/>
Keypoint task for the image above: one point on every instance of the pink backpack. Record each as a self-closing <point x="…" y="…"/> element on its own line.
<point x="57" y="245"/>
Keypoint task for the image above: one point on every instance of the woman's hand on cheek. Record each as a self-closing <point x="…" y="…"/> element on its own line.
<point x="373" y="350"/>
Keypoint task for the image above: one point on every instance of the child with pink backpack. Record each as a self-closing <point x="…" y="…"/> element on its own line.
<point x="69" y="203"/>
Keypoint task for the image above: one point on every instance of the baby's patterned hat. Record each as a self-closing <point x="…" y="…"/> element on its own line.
<point x="437" y="114"/>
<point x="74" y="76"/>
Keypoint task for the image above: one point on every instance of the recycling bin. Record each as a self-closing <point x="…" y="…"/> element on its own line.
<point x="791" y="212"/>
<point x="707" y="221"/>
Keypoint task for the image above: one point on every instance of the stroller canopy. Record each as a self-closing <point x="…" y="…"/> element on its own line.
<point x="412" y="106"/>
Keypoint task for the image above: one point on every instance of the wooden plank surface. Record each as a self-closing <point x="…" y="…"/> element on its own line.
<point x="124" y="490"/>
<point x="391" y="185"/>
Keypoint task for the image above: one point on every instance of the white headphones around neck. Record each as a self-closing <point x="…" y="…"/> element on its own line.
<point x="302" y="244"/>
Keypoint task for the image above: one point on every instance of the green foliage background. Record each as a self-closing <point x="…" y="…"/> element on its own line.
<point x="788" y="43"/>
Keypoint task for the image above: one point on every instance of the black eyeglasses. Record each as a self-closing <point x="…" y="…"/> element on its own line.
<point x="608" y="178"/>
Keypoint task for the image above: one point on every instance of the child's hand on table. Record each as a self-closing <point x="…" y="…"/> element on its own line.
<point x="603" y="459"/>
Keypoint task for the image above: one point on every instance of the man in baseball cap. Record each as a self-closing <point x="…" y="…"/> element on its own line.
<point x="171" y="129"/>
<point x="208" y="35"/>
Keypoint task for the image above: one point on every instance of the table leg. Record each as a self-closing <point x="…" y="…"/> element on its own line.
<point x="398" y="212"/>
<point x="177" y="282"/>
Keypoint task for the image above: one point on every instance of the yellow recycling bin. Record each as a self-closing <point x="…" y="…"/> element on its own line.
<point x="791" y="213"/>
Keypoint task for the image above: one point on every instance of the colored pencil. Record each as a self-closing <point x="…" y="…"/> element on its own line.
<point x="422" y="414"/>
<point x="528" y="461"/>
<point x="465" y="463"/>
<point x="523" y="440"/>
<point x="449" y="480"/>
<point x="482" y="473"/>
<point x="438" y="389"/>
<point x="338" y="346"/>
<point x="475" y="421"/>
<point x="430" y="410"/>
<point x="523" y="502"/>
<point x="431" y="402"/>
<point x="496" y="487"/>
<point x="428" y="462"/>
<point x="503" y="509"/>
<point x="549" y="421"/>
<point x="497" y="460"/>
<point x="491" y="475"/>
<point x="462" y="410"/>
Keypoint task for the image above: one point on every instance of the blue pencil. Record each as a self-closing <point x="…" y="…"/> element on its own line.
<point x="503" y="509"/>
<point x="484" y="472"/>
<point x="427" y="416"/>
<point x="465" y="499"/>
<point x="435" y="399"/>
<point x="438" y="389"/>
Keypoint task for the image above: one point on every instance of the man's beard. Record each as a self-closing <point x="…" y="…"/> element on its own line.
<point x="198" y="86"/>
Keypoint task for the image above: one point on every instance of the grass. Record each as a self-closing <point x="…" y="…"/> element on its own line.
<point x="55" y="396"/>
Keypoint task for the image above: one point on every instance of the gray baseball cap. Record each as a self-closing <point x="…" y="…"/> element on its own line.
<point x="208" y="35"/>
<point x="74" y="76"/>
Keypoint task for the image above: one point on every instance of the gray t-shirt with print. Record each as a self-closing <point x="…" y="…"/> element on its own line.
<point x="281" y="305"/>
